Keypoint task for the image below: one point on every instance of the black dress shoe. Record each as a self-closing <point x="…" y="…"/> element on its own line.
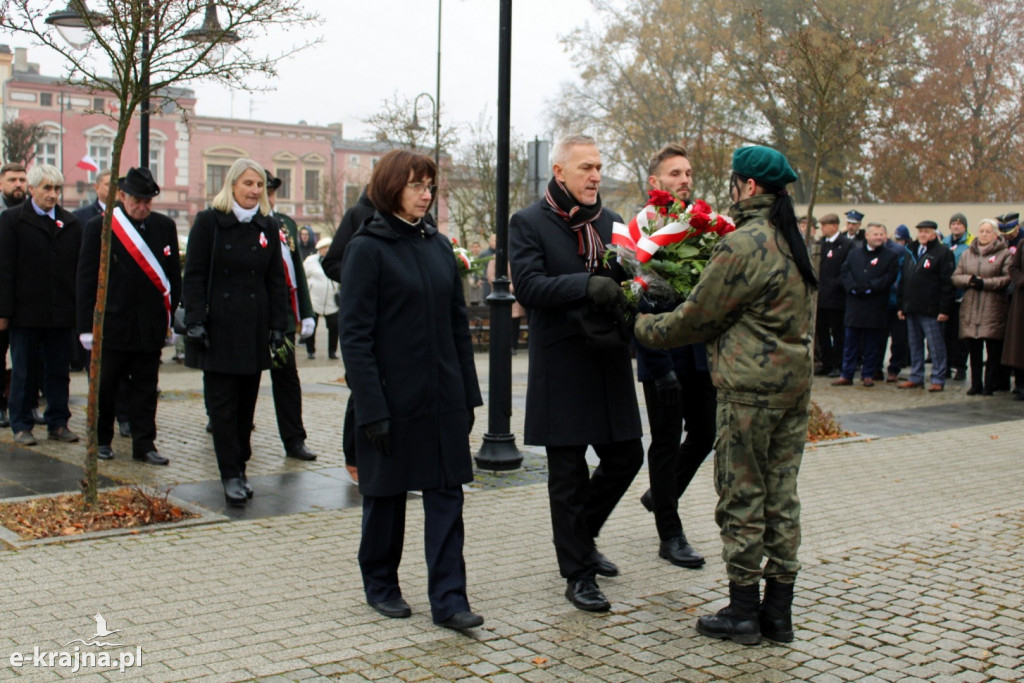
<point x="392" y="609"/>
<point x="602" y="565"/>
<point x="300" y="452"/>
<point x="151" y="458"/>
<point x="680" y="553"/>
<point x="4" y="420"/>
<point x="209" y="427"/>
<point x="234" y="492"/>
<point x="460" y="621"/>
<point x="834" y="373"/>
<point x="647" y="500"/>
<point x="333" y="356"/>
<point x="105" y="453"/>
<point x="124" y="427"/>
<point x="247" y="486"/>
<point x="585" y="595"/>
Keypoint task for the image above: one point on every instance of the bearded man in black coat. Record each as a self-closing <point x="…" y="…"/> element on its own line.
<point x="143" y="289"/>
<point x="580" y="390"/>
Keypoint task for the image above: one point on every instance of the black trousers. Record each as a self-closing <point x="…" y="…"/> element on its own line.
<point x="331" y="321"/>
<point x="380" y="549"/>
<point x="956" y="350"/>
<point x="828" y="334"/>
<point x="348" y="434"/>
<point x="581" y="502"/>
<point x="231" y="404"/>
<point x="977" y="349"/>
<point x="5" y="382"/>
<point x="288" y="402"/>
<point x="671" y="464"/>
<point x="128" y="381"/>
<point x="899" y="347"/>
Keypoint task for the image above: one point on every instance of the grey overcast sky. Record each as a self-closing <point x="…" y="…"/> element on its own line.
<point x="372" y="49"/>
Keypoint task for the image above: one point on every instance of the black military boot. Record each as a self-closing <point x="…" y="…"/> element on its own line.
<point x="737" y="621"/>
<point x="776" y="615"/>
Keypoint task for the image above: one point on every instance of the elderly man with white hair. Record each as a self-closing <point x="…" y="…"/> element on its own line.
<point x="39" y="245"/>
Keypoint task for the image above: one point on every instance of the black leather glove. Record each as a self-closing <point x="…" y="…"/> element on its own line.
<point x="379" y="434"/>
<point x="472" y="419"/>
<point x="276" y="341"/>
<point x="668" y="389"/>
<point x="605" y="292"/>
<point x="196" y="334"/>
<point x="976" y="282"/>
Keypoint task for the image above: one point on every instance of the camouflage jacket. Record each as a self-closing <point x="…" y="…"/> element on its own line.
<point x="753" y="308"/>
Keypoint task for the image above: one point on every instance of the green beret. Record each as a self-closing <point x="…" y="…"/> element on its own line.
<point x="764" y="165"/>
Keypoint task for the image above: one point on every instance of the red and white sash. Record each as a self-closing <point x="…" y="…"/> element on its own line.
<point x="132" y="241"/>
<point x="289" y="275"/>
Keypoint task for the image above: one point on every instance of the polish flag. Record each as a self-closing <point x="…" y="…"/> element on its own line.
<point x="88" y="164"/>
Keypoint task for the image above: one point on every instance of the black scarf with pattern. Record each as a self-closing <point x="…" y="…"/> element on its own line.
<point x="581" y="221"/>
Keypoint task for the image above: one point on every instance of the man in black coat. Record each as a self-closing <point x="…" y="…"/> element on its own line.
<point x="828" y="325"/>
<point x="13" y="182"/>
<point x="356" y="215"/>
<point x="39" y="244"/>
<point x="284" y="375"/>
<point x="143" y="289"/>
<point x="580" y="390"/>
<point x="925" y="300"/>
<point x="868" y="274"/>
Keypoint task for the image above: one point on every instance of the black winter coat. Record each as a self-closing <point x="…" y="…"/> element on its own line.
<point x="247" y="296"/>
<point x="831" y="293"/>
<point x="576" y="394"/>
<point x="867" y="278"/>
<point x="926" y="285"/>
<point x="136" y="316"/>
<point x="408" y="356"/>
<point x="38" y="260"/>
<point x="350" y="222"/>
<point x="88" y="212"/>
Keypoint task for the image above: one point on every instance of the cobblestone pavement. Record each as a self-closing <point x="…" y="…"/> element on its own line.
<point x="912" y="569"/>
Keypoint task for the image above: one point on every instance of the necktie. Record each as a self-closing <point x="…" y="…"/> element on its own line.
<point x="920" y="251"/>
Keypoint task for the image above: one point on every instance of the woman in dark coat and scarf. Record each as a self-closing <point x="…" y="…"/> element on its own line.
<point x="409" y="360"/>
<point x="236" y="311"/>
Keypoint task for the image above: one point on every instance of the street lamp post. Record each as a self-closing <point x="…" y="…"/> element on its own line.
<point x="436" y="126"/>
<point x="499" y="451"/>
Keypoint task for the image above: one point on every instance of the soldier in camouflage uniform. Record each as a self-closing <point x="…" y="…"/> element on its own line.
<point x="753" y="305"/>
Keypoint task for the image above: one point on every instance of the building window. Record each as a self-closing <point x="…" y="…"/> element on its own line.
<point x="353" y="160"/>
<point x="373" y="161"/>
<point x="156" y="160"/>
<point x="285" y="191"/>
<point x="46" y="152"/>
<point x="46" y="99"/>
<point x="99" y="149"/>
<point x="216" y="174"/>
<point x="97" y="104"/>
<point x="312" y="186"/>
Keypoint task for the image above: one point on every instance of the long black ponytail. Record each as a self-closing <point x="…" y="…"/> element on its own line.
<point x="783" y="216"/>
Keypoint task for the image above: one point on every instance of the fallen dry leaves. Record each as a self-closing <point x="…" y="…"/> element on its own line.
<point x="822" y="425"/>
<point x="66" y="515"/>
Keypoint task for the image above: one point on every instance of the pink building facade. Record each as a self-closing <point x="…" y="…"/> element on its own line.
<point x="322" y="173"/>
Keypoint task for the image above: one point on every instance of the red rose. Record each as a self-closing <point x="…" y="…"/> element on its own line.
<point x="723" y="226"/>
<point x="661" y="198"/>
<point x="662" y="210"/>
<point x="701" y="206"/>
<point x="700" y="222"/>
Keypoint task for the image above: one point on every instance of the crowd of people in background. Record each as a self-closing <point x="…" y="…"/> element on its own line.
<point x="953" y="300"/>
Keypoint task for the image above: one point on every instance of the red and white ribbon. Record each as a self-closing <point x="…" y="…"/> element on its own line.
<point x="289" y="275"/>
<point x="132" y="241"/>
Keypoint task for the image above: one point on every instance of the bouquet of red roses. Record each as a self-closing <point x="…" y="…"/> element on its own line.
<point x="666" y="246"/>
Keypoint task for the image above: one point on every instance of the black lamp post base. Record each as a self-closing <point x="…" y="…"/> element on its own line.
<point x="499" y="453"/>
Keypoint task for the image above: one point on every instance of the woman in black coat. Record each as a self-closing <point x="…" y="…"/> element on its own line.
<point x="409" y="361"/>
<point x="236" y="310"/>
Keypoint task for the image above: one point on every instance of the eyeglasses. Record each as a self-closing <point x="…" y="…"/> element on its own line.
<point x="420" y="188"/>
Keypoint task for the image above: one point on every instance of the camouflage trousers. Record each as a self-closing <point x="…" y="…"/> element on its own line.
<point x="757" y="460"/>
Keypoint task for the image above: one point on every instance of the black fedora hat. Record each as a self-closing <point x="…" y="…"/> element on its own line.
<point x="272" y="182"/>
<point x="138" y="182"/>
